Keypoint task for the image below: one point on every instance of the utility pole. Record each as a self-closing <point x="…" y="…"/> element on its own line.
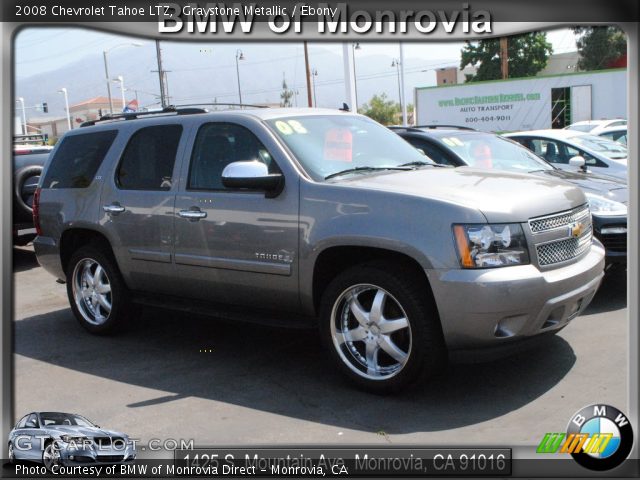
<point x="403" y="99"/>
<point x="504" y="57"/>
<point x="163" y="100"/>
<point x="308" y="74"/>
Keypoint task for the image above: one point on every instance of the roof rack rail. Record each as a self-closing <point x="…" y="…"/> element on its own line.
<point x="458" y="127"/>
<point x="184" y="109"/>
<point x="221" y="105"/>
<point x="134" y="115"/>
<point x="418" y="128"/>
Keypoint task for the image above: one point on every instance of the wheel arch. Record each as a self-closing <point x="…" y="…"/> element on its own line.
<point x="74" y="238"/>
<point x="334" y="260"/>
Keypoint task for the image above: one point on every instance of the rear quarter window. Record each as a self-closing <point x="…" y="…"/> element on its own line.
<point x="77" y="160"/>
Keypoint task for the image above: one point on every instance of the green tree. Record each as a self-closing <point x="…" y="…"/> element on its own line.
<point x="528" y="54"/>
<point x="381" y="109"/>
<point x="285" y="96"/>
<point x="599" y="46"/>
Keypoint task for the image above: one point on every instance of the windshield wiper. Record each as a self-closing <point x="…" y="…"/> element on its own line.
<point x="361" y="169"/>
<point x="420" y="163"/>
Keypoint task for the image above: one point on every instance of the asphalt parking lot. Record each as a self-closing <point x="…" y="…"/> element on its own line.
<point x="172" y="375"/>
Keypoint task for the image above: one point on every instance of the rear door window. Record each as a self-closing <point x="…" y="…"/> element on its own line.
<point x="77" y="160"/>
<point x="148" y="160"/>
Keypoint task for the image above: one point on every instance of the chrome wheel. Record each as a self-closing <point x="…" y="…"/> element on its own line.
<point x="92" y="291"/>
<point x="371" y="332"/>
<point x="50" y="456"/>
<point x="12" y="454"/>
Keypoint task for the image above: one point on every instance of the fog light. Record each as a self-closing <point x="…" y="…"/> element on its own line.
<point x="72" y="458"/>
<point x="613" y="230"/>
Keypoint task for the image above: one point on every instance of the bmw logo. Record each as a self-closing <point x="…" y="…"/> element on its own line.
<point x="605" y="434"/>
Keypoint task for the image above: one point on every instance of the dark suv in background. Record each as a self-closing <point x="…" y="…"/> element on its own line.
<point x="313" y="217"/>
<point x="29" y="156"/>
<point x="455" y="146"/>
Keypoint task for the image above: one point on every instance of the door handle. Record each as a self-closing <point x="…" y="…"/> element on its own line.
<point x="192" y="214"/>
<point x="114" y="208"/>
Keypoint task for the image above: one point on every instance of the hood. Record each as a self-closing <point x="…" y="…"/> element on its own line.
<point x="501" y="196"/>
<point x="84" y="431"/>
<point x="604" y="185"/>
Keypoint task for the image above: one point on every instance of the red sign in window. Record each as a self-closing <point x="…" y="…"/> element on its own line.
<point x="338" y="145"/>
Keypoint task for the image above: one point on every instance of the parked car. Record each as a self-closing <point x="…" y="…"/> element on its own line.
<point x="27" y="167"/>
<point x="608" y="196"/>
<point x="595" y="126"/>
<point x="56" y="438"/>
<point x="312" y="216"/>
<point x="560" y="146"/>
<point x="615" y="134"/>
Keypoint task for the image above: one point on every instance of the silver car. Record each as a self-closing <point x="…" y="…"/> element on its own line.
<point x="573" y="150"/>
<point x="57" y="438"/>
<point x="313" y="217"/>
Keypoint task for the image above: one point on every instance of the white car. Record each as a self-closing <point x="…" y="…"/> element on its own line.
<point x="616" y="134"/>
<point x="596" y="126"/>
<point x="561" y="147"/>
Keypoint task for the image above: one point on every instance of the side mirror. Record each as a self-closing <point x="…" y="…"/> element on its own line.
<point x="578" y="162"/>
<point x="253" y="176"/>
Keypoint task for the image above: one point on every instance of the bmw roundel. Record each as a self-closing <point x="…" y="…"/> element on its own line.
<point x="605" y="436"/>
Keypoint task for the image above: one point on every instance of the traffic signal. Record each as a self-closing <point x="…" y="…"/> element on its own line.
<point x="45" y="107"/>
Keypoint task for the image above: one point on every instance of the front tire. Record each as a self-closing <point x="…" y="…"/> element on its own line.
<point x="12" y="454"/>
<point x="50" y="456"/>
<point x="381" y="327"/>
<point x="97" y="293"/>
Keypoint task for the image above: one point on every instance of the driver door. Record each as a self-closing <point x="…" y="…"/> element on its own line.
<point x="235" y="246"/>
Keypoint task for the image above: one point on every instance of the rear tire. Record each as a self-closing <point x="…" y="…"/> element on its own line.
<point x="381" y="327"/>
<point x="97" y="293"/>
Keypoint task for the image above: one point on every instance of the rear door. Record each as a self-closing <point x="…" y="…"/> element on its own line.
<point x="137" y="204"/>
<point x="243" y="247"/>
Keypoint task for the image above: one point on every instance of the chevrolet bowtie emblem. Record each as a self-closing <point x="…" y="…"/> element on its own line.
<point x="576" y="229"/>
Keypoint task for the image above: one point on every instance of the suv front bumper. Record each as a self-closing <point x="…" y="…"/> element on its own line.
<point x="488" y="308"/>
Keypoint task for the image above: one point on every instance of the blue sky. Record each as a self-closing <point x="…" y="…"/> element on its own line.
<point x="34" y="47"/>
<point x="205" y="71"/>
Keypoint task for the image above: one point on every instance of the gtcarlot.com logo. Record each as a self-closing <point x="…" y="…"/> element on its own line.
<point x="598" y="437"/>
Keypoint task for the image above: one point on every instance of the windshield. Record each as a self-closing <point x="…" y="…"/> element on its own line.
<point x="603" y="146"/>
<point x="328" y="144"/>
<point x="58" y="418"/>
<point x="488" y="151"/>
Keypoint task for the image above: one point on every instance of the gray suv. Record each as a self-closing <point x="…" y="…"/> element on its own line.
<point x="313" y="217"/>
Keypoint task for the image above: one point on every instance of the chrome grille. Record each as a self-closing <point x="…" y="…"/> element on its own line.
<point x="563" y="250"/>
<point x="558" y="220"/>
<point x="567" y="247"/>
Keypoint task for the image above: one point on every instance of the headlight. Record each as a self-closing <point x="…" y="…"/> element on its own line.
<point x="487" y="246"/>
<point x="604" y="207"/>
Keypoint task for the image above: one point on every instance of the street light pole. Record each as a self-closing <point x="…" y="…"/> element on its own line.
<point x="355" y="46"/>
<point x="239" y="56"/>
<point x="314" y="74"/>
<point x="24" y="115"/>
<point x="120" y="80"/>
<point x="63" y="90"/>
<point x="106" y="68"/>
<point x="396" y="63"/>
